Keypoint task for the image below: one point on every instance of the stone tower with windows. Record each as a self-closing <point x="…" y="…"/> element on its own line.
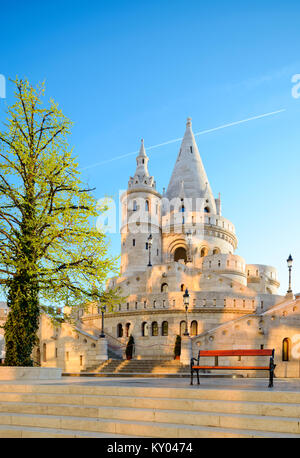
<point x="141" y="217"/>
<point x="231" y="303"/>
<point x="193" y="247"/>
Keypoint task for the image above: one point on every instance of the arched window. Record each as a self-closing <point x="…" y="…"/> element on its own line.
<point x="194" y="328"/>
<point x="127" y="327"/>
<point x="44" y="352"/>
<point x="147" y="206"/>
<point x="207" y="210"/>
<point x="145" y="329"/>
<point x="38" y="356"/>
<point x="134" y="206"/>
<point x="164" y="328"/>
<point x="182" y="327"/>
<point x="203" y="252"/>
<point x="286" y="349"/>
<point x="182" y="209"/>
<point x="180" y="253"/>
<point x="164" y="288"/>
<point x="119" y="330"/>
<point x="216" y="250"/>
<point x="182" y="287"/>
<point x="154" y="328"/>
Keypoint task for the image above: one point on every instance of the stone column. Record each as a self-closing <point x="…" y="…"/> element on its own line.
<point x="186" y="350"/>
<point x="102" y="346"/>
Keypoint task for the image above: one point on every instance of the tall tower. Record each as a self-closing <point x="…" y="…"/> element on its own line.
<point x="141" y="216"/>
<point x="192" y="224"/>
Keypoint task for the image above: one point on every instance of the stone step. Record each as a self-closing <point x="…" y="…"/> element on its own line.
<point x="190" y="392"/>
<point x="125" y="374"/>
<point x="10" y="402"/>
<point x="128" y="366"/>
<point x="132" y="428"/>
<point x="10" y="431"/>
<point x="261" y="422"/>
<point x="79" y="410"/>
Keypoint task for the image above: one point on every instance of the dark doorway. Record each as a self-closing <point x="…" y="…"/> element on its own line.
<point x="180" y="253"/>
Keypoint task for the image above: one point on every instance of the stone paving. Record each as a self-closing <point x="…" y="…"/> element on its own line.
<point x="260" y="384"/>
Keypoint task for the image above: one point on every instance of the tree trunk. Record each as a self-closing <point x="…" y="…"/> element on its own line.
<point x="22" y="321"/>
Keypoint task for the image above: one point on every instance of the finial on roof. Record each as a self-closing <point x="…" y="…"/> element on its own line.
<point x="142" y="149"/>
<point x="189" y="122"/>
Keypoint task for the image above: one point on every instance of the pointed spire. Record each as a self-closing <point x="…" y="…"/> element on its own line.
<point x="142" y="162"/>
<point x="189" y="168"/>
<point x="142" y="152"/>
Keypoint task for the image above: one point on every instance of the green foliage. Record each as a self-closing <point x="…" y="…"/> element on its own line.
<point x="50" y="249"/>
<point x="177" y="347"/>
<point x="129" y="347"/>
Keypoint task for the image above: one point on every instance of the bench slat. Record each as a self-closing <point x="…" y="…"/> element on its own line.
<point x="265" y="352"/>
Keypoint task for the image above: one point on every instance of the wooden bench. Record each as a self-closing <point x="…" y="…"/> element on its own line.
<point x="217" y="353"/>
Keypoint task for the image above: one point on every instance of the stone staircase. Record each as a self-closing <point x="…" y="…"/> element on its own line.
<point x="75" y="410"/>
<point x="138" y="367"/>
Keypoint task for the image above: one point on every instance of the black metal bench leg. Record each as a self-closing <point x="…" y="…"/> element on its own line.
<point x="272" y="367"/>
<point x="192" y="372"/>
<point x="198" y="378"/>
<point x="271" y="379"/>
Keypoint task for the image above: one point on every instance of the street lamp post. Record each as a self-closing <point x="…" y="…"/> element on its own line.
<point x="290" y="264"/>
<point x="150" y="240"/>
<point x="102" y="309"/>
<point x="186" y="301"/>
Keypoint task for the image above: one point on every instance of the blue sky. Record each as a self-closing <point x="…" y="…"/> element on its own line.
<point x="123" y="70"/>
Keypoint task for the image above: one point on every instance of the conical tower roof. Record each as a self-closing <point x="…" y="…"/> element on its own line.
<point x="190" y="170"/>
<point x="141" y="176"/>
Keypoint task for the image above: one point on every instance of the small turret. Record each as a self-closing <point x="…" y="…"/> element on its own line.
<point x="141" y="176"/>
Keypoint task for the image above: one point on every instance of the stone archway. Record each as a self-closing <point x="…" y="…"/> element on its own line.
<point x="180" y="254"/>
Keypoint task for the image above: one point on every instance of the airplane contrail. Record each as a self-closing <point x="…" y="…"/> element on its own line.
<point x="202" y="132"/>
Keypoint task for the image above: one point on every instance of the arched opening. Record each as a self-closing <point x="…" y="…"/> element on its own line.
<point x="182" y="287"/>
<point x="182" y="327"/>
<point x="134" y="206"/>
<point x="145" y="329"/>
<point x="194" y="328"/>
<point x="44" y="352"/>
<point x="38" y="357"/>
<point x="286" y="349"/>
<point x="180" y="253"/>
<point x="164" y="328"/>
<point x="164" y="288"/>
<point x="127" y="327"/>
<point x="147" y="206"/>
<point x="119" y="330"/>
<point x="204" y="252"/>
<point x="207" y="210"/>
<point x="216" y="251"/>
<point x="154" y="329"/>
